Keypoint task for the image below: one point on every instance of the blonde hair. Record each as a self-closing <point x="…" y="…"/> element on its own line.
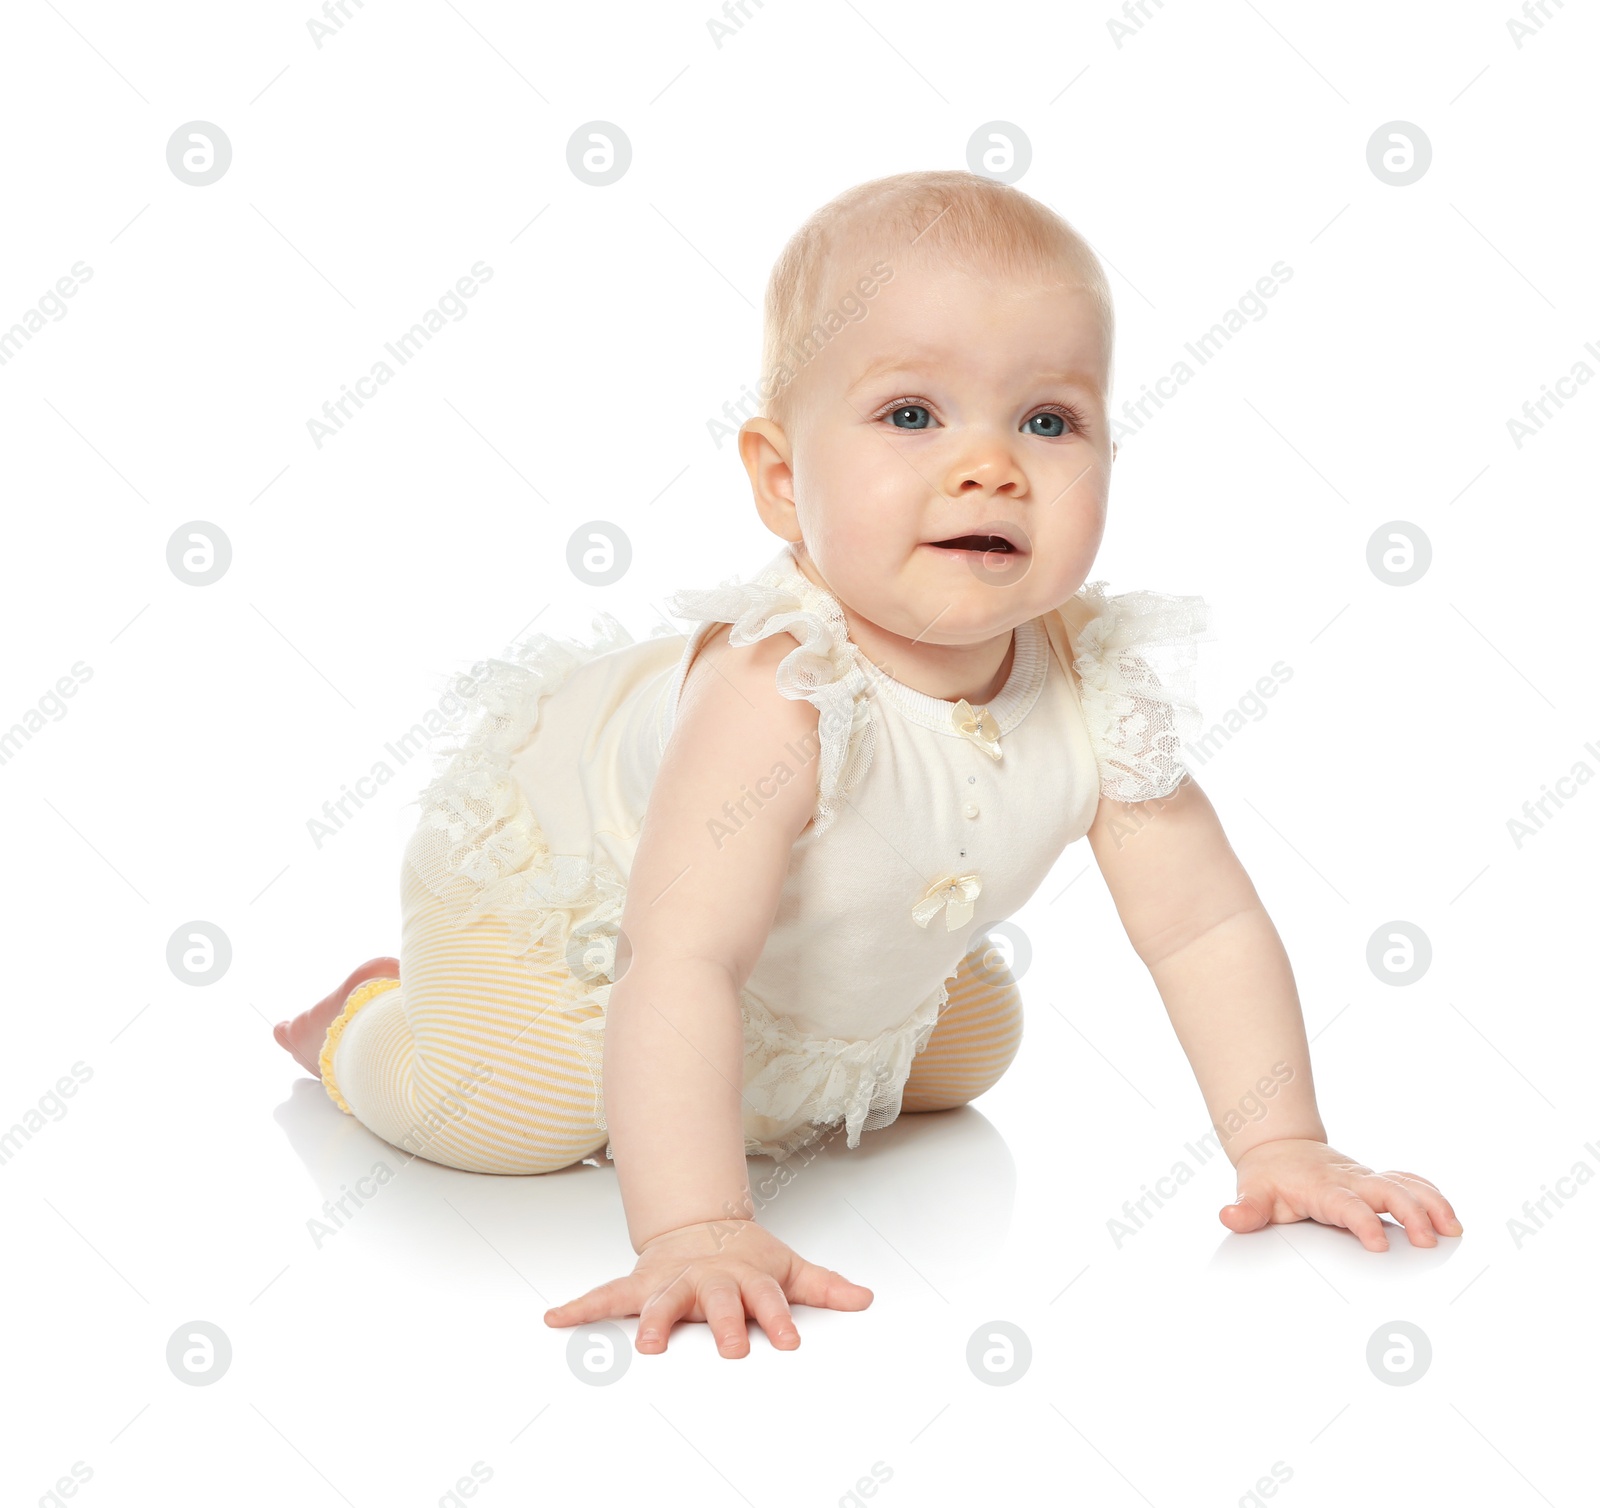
<point x="974" y="222"/>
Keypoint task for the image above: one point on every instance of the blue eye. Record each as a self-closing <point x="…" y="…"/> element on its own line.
<point x="1055" y="425"/>
<point x="917" y="416"/>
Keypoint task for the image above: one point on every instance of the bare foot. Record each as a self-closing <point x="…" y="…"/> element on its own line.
<point x="302" y="1038"/>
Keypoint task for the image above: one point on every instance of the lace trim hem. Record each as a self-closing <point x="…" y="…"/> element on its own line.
<point x="829" y="1080"/>
<point x="367" y="990"/>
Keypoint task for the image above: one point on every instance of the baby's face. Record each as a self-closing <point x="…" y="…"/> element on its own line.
<point x="958" y="405"/>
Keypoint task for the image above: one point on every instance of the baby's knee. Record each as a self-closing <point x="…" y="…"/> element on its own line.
<point x="534" y="1157"/>
<point x="475" y="1139"/>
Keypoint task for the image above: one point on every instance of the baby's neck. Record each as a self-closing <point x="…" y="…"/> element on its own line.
<point x="948" y="672"/>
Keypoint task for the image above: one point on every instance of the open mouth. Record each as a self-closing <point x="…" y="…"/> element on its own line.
<point x="981" y="543"/>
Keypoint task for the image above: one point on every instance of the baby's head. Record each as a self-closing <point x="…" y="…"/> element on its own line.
<point x="937" y="363"/>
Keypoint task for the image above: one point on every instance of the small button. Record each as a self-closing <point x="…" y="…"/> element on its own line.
<point x="972" y="779"/>
<point x="970" y="809"/>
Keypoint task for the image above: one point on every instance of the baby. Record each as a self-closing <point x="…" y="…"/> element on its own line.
<point x="742" y="879"/>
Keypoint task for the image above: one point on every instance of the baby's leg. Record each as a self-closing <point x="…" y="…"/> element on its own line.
<point x="974" y="1039"/>
<point x="464" y="1061"/>
<point x="303" y="1036"/>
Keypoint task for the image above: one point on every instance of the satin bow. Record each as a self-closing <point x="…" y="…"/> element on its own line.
<point x="977" y="724"/>
<point x="956" y="893"/>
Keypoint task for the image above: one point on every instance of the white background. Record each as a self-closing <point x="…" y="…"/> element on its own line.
<point x="178" y="783"/>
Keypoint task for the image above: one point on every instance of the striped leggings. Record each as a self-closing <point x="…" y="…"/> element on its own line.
<point x="462" y="1062"/>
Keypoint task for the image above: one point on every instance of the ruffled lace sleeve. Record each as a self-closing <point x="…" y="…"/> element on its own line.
<point x="821" y="669"/>
<point x="1135" y="656"/>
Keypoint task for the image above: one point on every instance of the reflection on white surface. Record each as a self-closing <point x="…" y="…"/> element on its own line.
<point x="1332" y="1251"/>
<point x="933" y="1193"/>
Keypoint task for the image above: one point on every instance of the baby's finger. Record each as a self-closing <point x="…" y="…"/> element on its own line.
<point x="1399" y="1201"/>
<point x="1341" y="1206"/>
<point x="823" y="1288"/>
<point x="613" y="1298"/>
<point x="660" y="1310"/>
<point x="723" y="1306"/>
<point x="763" y="1294"/>
<point x="1251" y="1210"/>
<point x="1413" y="1177"/>
<point x="1439" y="1209"/>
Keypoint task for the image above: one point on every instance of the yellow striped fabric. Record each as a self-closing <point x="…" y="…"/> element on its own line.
<point x="463" y="1062"/>
<point x="975" y="1038"/>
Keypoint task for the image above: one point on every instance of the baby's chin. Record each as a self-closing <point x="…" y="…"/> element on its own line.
<point x="956" y="593"/>
<point x="950" y="605"/>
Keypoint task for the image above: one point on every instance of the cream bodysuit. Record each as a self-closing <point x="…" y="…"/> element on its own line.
<point x="934" y="820"/>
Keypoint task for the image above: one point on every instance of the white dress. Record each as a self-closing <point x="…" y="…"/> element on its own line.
<point x="934" y="820"/>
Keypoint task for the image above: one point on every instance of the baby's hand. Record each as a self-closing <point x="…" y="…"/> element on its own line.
<point x="1284" y="1181"/>
<point x="714" y="1271"/>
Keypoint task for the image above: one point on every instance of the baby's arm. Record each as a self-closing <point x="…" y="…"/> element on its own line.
<point x="700" y="903"/>
<point x="1194" y="918"/>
